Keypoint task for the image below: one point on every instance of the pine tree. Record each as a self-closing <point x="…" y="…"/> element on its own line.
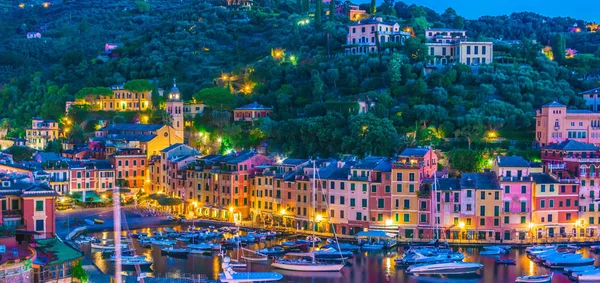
<point x="318" y="13"/>
<point x="373" y="8"/>
<point x="559" y="48"/>
<point x="331" y="10"/>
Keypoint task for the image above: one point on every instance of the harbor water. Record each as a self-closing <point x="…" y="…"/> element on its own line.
<point x="365" y="266"/>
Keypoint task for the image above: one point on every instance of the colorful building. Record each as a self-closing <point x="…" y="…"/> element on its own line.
<point x="368" y="35"/>
<point x="592" y="100"/>
<point x="515" y="181"/>
<point x="121" y="99"/>
<point x="555" y="206"/>
<point x="150" y="138"/>
<point x="130" y="165"/>
<point x="252" y="111"/>
<point x="488" y="200"/>
<point x="28" y="206"/>
<point x="449" y="46"/>
<point x="41" y="132"/>
<point x="555" y="123"/>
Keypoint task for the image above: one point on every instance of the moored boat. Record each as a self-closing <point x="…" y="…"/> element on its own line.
<point x="229" y="275"/>
<point x="546" y="278"/>
<point x="306" y="262"/>
<point x="452" y="268"/>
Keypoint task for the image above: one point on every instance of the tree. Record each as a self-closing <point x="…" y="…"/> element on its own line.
<point x="466" y="160"/>
<point x="76" y="135"/>
<point x="53" y="146"/>
<point x="80" y="273"/>
<point x="331" y="10"/>
<point x="370" y="135"/>
<point x="373" y="7"/>
<point x="167" y="201"/>
<point x="416" y="11"/>
<point x="20" y="153"/>
<point x="318" y="13"/>
<point x="84" y="26"/>
<point x="142" y="6"/>
<point x="216" y="98"/>
<point x="559" y="48"/>
<point x="458" y="23"/>
<point x="470" y="132"/>
<point x="138" y="85"/>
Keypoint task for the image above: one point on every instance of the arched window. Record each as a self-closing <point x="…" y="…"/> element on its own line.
<point x="556" y="123"/>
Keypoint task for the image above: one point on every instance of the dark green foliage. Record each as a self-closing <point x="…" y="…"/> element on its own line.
<point x="54" y="146"/>
<point x="138" y="85"/>
<point x="79" y="273"/>
<point x="217" y="98"/>
<point x="167" y="201"/>
<point x="20" y="153"/>
<point x="94" y="91"/>
<point x="465" y="160"/>
<point x="559" y="48"/>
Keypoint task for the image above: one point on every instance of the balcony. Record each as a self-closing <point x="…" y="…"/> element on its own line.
<point x="581" y="159"/>
<point x="422" y="209"/>
<point x="15" y="213"/>
<point x="557" y="166"/>
<point x="359" y="178"/>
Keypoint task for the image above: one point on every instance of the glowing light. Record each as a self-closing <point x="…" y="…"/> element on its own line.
<point x="277" y="53"/>
<point x="319" y="218"/>
<point x="195" y="203"/>
<point x="231" y="209"/>
<point x="492" y="134"/>
<point x="461" y="225"/>
<point x="531" y="225"/>
<point x="283" y="211"/>
<point x="46" y="4"/>
<point x="145" y="118"/>
<point x="224" y="77"/>
<point x="388" y="222"/>
<point x="22" y="6"/>
<point x="219" y="140"/>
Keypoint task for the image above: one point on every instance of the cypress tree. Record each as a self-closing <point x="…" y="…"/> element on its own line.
<point x="331" y="10"/>
<point x="318" y="13"/>
<point x="373" y="8"/>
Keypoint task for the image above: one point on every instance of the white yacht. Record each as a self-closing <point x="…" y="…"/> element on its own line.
<point x="452" y="268"/>
<point x="229" y="275"/>
<point x="305" y="262"/>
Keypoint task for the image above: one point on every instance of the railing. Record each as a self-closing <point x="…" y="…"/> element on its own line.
<point x="12" y="213"/>
<point x="568" y="181"/>
<point x="581" y="159"/>
<point x="359" y="178"/>
<point x="557" y="166"/>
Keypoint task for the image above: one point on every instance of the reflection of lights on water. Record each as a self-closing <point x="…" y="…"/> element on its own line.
<point x="531" y="266"/>
<point x="216" y="267"/>
<point x="388" y="266"/>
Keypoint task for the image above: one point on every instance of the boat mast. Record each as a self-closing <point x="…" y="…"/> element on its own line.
<point x="313" y="197"/>
<point x="434" y="205"/>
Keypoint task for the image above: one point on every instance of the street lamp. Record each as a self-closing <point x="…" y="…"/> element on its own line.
<point x="461" y="225"/>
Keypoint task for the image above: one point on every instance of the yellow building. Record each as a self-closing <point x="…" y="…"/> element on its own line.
<point x="120" y="100"/>
<point x="151" y="138"/>
<point x="405" y="206"/>
<point x="41" y="132"/>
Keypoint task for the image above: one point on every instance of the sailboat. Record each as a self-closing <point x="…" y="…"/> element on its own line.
<point x="307" y="261"/>
<point x="253" y="256"/>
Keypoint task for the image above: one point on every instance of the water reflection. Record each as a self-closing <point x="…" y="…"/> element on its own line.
<point x="371" y="266"/>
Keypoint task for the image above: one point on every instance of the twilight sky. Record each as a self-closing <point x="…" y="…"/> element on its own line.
<point x="472" y="9"/>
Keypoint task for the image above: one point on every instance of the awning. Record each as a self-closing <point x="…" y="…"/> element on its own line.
<point x="375" y="233"/>
<point x="90" y="196"/>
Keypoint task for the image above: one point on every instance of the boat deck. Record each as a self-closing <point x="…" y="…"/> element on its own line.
<point x="251" y="277"/>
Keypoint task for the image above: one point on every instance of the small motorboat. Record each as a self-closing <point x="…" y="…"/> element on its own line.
<point x="175" y="251"/>
<point x="89" y="222"/>
<point x="272" y="251"/>
<point x="492" y="250"/>
<point x="546" y="278"/>
<point x="506" y="261"/>
<point x="343" y="246"/>
<point x="252" y="256"/>
<point x="452" y="268"/>
<point x="231" y="276"/>
<point x="135" y="261"/>
<point x="106" y="247"/>
<point x="98" y="221"/>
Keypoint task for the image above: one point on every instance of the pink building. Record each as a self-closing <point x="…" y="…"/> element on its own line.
<point x="555" y="123"/>
<point x="423" y="155"/>
<point x="366" y="35"/>
<point x="515" y="181"/>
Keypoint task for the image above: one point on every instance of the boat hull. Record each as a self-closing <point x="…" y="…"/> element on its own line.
<point x="308" y="267"/>
<point x="251" y="277"/>
<point x="445" y="269"/>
